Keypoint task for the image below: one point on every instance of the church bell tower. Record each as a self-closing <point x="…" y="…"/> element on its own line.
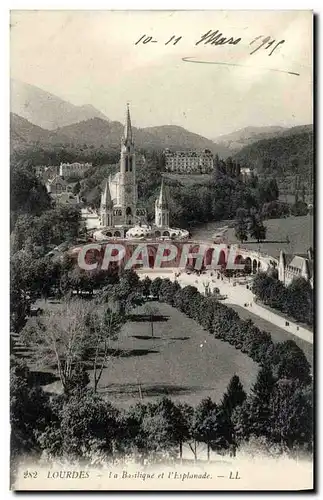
<point x="161" y="208"/>
<point x="128" y="187"/>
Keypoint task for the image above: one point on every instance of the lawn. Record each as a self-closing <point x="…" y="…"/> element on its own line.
<point x="182" y="361"/>
<point x="298" y="229"/>
<point x="277" y="334"/>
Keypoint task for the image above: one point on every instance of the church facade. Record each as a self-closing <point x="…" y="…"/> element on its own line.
<point x="119" y="201"/>
<point x="121" y="213"/>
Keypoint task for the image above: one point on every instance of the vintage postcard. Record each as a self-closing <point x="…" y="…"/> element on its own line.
<point x="162" y="251"/>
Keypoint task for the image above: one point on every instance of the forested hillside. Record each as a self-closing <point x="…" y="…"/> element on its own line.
<point x="287" y="158"/>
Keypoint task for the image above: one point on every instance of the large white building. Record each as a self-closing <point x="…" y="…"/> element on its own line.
<point x="121" y="213"/>
<point x="189" y="162"/>
<point x="75" y="169"/>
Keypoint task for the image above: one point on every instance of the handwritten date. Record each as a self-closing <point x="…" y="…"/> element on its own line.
<point x="217" y="38"/>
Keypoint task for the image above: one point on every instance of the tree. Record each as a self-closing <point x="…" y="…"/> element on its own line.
<point x="82" y="421"/>
<point x="30" y="278"/>
<point x="77" y="188"/>
<point x="185" y="422"/>
<point x="146" y="286"/>
<point x="27" y="194"/>
<point x="103" y="328"/>
<point x="299" y="300"/>
<point x="268" y="191"/>
<point x="205" y="423"/>
<point x="155" y="286"/>
<point x="253" y="417"/>
<point x="133" y="436"/>
<point x="167" y="290"/>
<point x="48" y="229"/>
<point x="291" y="414"/>
<point x="29" y="409"/>
<point x="126" y="294"/>
<point x="234" y="396"/>
<point x="61" y="338"/>
<point x="164" y="425"/>
<point x="151" y="311"/>
<point x="299" y="208"/>
<point x="289" y="361"/>
<point x="241" y="225"/>
<point x="256" y="228"/>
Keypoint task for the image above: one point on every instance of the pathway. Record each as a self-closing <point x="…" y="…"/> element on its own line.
<point x="238" y="294"/>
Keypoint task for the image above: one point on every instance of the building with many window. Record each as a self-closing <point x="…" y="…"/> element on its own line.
<point x="189" y="162"/>
<point x="73" y="169"/>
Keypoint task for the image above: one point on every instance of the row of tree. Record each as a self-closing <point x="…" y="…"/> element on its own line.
<point x="286" y="359"/>
<point x="295" y="300"/>
<point x="81" y="424"/>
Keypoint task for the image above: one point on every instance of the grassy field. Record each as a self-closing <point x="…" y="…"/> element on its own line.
<point x="298" y="229"/>
<point x="172" y="363"/>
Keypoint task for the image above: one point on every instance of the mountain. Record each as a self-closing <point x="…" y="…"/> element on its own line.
<point x="175" y="137"/>
<point x="290" y="153"/>
<point x="98" y="132"/>
<point x="47" y="110"/>
<point x="299" y="129"/>
<point x="245" y="136"/>
<point x="24" y="133"/>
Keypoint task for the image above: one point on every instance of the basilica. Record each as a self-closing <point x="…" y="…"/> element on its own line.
<point x="122" y="215"/>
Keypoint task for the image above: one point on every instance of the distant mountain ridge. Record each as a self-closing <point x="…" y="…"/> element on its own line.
<point x="45" y="109"/>
<point x="107" y="134"/>
<point x="39" y="117"/>
<point x="237" y="140"/>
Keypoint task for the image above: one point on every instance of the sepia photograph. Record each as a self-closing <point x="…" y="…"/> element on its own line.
<point x="162" y="250"/>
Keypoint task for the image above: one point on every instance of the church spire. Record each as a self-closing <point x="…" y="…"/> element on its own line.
<point x="162" y="199"/>
<point x="106" y="201"/>
<point x="128" y="128"/>
<point x="161" y="208"/>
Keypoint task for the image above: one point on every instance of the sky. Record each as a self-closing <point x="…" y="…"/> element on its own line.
<point x="91" y="57"/>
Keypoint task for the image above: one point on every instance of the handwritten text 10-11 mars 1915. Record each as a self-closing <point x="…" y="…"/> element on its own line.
<point x="217" y="38"/>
